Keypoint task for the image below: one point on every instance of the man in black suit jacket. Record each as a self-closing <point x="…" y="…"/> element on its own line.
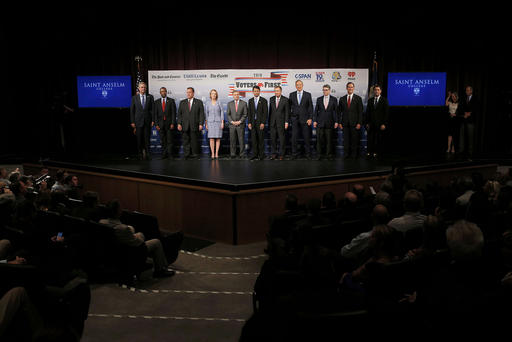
<point x="325" y="120"/>
<point x="141" y="118"/>
<point x="258" y="115"/>
<point x="377" y="118"/>
<point x="279" y="117"/>
<point x="301" y="113"/>
<point x="190" y="120"/>
<point x="469" y="113"/>
<point x="165" y="120"/>
<point x="351" y="112"/>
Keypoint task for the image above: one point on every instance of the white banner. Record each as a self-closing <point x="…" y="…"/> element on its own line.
<point x="225" y="81"/>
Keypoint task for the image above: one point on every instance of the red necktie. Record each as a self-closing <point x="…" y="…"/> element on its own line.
<point x="163" y="108"/>
<point x="348" y="102"/>
<point x="236" y="106"/>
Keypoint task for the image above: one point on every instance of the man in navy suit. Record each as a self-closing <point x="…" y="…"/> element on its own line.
<point x="351" y="111"/>
<point x="279" y="118"/>
<point x="377" y="117"/>
<point x="141" y="118"/>
<point x="165" y="120"/>
<point x="325" y="120"/>
<point x="301" y="114"/>
<point x="257" y="117"/>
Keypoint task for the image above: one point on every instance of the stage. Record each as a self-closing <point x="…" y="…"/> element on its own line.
<point x="230" y="200"/>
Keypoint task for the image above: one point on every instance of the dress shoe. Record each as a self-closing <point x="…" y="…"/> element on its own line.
<point x="253" y="157"/>
<point x="273" y="157"/>
<point x="262" y="158"/>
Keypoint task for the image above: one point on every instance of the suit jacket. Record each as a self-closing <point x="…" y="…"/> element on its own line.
<point x="354" y="115"/>
<point x="471" y="106"/>
<point x="280" y="115"/>
<point x="141" y="116"/>
<point x="234" y="115"/>
<point x="261" y="112"/>
<point x="170" y="112"/>
<point x="190" y="118"/>
<point x="325" y="118"/>
<point x="302" y="111"/>
<point x="377" y="115"/>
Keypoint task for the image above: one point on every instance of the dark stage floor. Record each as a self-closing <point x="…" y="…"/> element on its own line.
<point x="242" y="174"/>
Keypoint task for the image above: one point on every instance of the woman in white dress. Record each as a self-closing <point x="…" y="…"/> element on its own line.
<point x="452" y="102"/>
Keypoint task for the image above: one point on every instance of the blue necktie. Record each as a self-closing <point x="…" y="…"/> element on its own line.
<point x="300" y="97"/>
<point x="143" y="102"/>
<point x="256" y="107"/>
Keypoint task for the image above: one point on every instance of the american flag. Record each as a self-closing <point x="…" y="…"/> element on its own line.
<point x="138" y="76"/>
<point x="374" y="73"/>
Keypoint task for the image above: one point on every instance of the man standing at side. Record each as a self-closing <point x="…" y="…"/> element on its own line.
<point x="279" y="117"/>
<point x="141" y="118"/>
<point x="469" y="112"/>
<point x="190" y="120"/>
<point x="258" y="114"/>
<point x="237" y="113"/>
<point x="351" y="111"/>
<point x="165" y="119"/>
<point x="325" y="121"/>
<point x="377" y="117"/>
<point x="301" y="113"/>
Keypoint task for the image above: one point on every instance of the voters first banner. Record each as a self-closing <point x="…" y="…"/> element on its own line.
<point x="226" y="81"/>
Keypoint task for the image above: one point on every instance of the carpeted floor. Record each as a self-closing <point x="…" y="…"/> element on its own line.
<point x="208" y="299"/>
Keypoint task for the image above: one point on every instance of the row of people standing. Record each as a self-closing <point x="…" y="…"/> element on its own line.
<point x="462" y="116"/>
<point x="279" y="112"/>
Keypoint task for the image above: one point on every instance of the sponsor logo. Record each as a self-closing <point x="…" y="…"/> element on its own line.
<point x="336" y="76"/>
<point x="194" y="76"/>
<point x="219" y="75"/>
<point x="165" y="77"/>
<point x="302" y="76"/>
<point x="351" y="74"/>
<point x="320" y="76"/>
<point x="244" y="84"/>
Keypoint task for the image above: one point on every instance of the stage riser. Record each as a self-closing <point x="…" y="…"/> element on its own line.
<point x="228" y="216"/>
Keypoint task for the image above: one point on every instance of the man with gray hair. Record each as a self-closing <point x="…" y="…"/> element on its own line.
<point x="412" y="218"/>
<point x="465" y="241"/>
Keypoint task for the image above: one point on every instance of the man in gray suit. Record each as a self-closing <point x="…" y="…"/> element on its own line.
<point x="237" y="113"/>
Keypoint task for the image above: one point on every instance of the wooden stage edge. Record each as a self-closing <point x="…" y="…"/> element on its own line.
<point x="233" y="217"/>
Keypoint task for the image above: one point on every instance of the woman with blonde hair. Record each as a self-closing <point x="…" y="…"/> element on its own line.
<point x="452" y="102"/>
<point x="214" y="122"/>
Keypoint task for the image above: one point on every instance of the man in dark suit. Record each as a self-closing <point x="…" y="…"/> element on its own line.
<point x="141" y="118"/>
<point x="165" y="120"/>
<point x="325" y="120"/>
<point x="351" y="111"/>
<point x="190" y="120"/>
<point x="279" y="118"/>
<point x="237" y="113"/>
<point x="377" y="117"/>
<point x="469" y="113"/>
<point x="301" y="113"/>
<point x="258" y="115"/>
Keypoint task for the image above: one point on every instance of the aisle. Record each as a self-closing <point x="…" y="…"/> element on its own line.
<point x="208" y="299"/>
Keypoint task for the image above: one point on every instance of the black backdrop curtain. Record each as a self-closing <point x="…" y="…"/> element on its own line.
<point x="41" y="67"/>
